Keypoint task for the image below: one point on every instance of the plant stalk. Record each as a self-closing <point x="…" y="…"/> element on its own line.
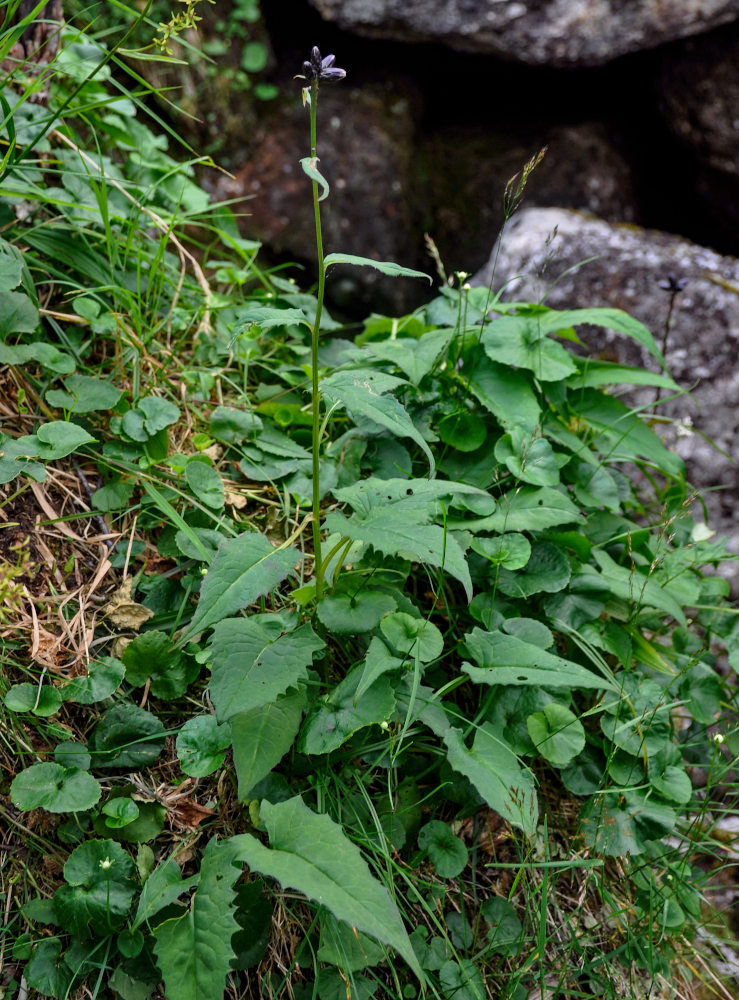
<point x="315" y="387"/>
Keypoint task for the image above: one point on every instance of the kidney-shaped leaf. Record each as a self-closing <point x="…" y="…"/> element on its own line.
<point x="54" y="788"/>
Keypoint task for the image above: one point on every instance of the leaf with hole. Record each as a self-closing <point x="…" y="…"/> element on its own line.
<point x="54" y="788"/>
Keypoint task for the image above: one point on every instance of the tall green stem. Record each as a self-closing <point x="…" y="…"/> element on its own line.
<point x="316" y="390"/>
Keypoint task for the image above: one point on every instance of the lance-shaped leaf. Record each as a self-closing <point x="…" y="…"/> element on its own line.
<point x="506" y="785"/>
<point x="194" y="951"/>
<point x="527" y="509"/>
<point x="363" y="394"/>
<point x="310" y="167"/>
<point x="420" y="495"/>
<point x="400" y="534"/>
<point x="254" y="662"/>
<point x="506" y="659"/>
<point x="243" y="569"/>
<point x="388" y="267"/>
<point x="612" y="319"/>
<point x="312" y="854"/>
<point x="262" y="737"/>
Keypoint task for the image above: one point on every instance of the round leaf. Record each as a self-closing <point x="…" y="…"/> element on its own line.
<point x="54" y="788"/>
<point x="99" y="890"/>
<point x="127" y="736"/>
<point x="505" y="927"/>
<point x="412" y="636"/>
<point x="153" y="656"/>
<point x="43" y="701"/>
<point x="205" y="483"/>
<point x="447" y="852"/>
<point x="348" y="614"/>
<point x="202" y="745"/>
<point x="556" y="733"/>
<point x="463" y="431"/>
<point x="511" y="551"/>
<point x="120" y="812"/>
<point x="547" y="570"/>
<point x="104" y="676"/>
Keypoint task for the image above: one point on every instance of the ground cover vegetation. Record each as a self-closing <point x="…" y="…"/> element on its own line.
<point x="336" y="662"/>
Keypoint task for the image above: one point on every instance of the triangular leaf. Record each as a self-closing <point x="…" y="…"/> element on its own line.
<point x="312" y="854"/>
<point x="254" y="662"/>
<point x="243" y="569"/>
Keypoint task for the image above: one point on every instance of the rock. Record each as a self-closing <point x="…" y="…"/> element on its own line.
<point x="468" y="168"/>
<point x="701" y="347"/>
<point x="365" y="147"/>
<point x="544" y="32"/>
<point x="698" y="95"/>
<point x="698" y="92"/>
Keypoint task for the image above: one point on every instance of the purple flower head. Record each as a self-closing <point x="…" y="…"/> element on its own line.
<point x="317" y="68"/>
<point x="673" y="284"/>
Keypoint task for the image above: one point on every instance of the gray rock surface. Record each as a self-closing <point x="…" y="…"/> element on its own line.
<point x="702" y="344"/>
<point x="538" y="32"/>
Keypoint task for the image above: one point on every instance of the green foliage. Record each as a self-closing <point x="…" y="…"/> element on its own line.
<point x="488" y="626"/>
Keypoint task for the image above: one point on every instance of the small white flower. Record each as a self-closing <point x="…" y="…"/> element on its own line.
<point x="684" y="427"/>
<point x="385" y="725"/>
<point x="106" y="864"/>
<point x="718" y="739"/>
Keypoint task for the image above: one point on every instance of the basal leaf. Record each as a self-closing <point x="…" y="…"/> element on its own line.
<point x="349" y="614"/>
<point x="378" y="661"/>
<point x="419" y="495"/>
<point x="255" y="661"/>
<point x="194" y="950"/>
<point x="84" y="394"/>
<point x="104" y="676"/>
<point x="99" y="890"/>
<point x="205" y="483"/>
<point x="310" y="853"/>
<point x="59" y="438"/>
<point x="557" y="733"/>
<point x="54" y="788"/>
<point x="395" y="534"/>
<point x="162" y="887"/>
<point x="262" y="737"/>
<point x="340" y="713"/>
<point x="243" y="569"/>
<point x="520" y="341"/>
<point x="363" y="396"/>
<point x="506" y="785"/>
<point x="636" y="588"/>
<point x="202" y="745"/>
<point x="546" y="571"/>
<point x="414" y="356"/>
<point x="527" y="509"/>
<point x="528" y="459"/>
<point x="552" y="321"/>
<point x="506" y="659"/>
<point x="388" y="267"/>
<point x="593" y="374"/>
<point x="506" y="392"/>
